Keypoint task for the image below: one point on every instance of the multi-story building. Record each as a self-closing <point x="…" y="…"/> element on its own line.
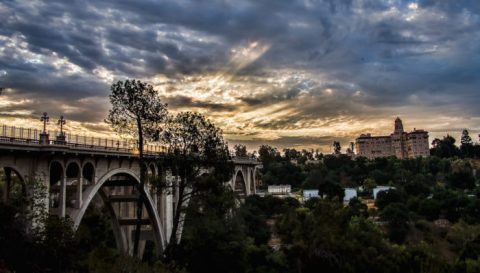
<point x="400" y="144"/>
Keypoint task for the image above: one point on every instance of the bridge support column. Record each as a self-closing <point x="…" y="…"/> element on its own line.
<point x="254" y="181"/>
<point x="44" y="139"/>
<point x="248" y="181"/>
<point x="78" y="204"/>
<point x="168" y="214"/>
<point x="62" y="200"/>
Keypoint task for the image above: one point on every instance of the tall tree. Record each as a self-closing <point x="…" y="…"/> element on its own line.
<point x="466" y="139"/>
<point x="445" y="147"/>
<point x="318" y="155"/>
<point x="466" y="144"/>
<point x="268" y="155"/>
<point x="328" y="188"/>
<point x="240" y="150"/>
<point x="137" y="111"/>
<point x="291" y="154"/>
<point x="336" y="147"/>
<point x="307" y="154"/>
<point x="194" y="143"/>
<point x="396" y="216"/>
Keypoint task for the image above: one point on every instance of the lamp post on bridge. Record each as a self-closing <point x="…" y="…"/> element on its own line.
<point x="44" y="135"/>
<point x="60" y="139"/>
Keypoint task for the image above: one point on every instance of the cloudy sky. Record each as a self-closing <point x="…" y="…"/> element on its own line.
<point x="297" y="73"/>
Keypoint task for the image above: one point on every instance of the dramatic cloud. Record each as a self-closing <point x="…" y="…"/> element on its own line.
<point x="288" y="73"/>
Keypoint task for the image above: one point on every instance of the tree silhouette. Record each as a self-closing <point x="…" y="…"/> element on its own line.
<point x="444" y="147"/>
<point x="240" y="150"/>
<point x="336" y="147"/>
<point x="137" y="111"/>
<point x="466" y="147"/>
<point x="195" y="144"/>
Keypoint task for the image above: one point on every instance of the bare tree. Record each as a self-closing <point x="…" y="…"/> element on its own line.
<point x="137" y="111"/>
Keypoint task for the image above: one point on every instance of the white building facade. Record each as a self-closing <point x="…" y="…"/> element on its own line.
<point x="279" y="189"/>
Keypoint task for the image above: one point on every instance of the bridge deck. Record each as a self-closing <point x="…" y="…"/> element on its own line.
<point x="31" y="140"/>
<point x="12" y="137"/>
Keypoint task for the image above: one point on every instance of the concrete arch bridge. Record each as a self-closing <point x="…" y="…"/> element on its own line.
<point x="77" y="172"/>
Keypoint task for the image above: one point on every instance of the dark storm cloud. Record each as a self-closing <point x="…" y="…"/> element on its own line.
<point x="90" y="109"/>
<point x="289" y="142"/>
<point x="369" y="53"/>
<point x="42" y="84"/>
<point x="186" y="102"/>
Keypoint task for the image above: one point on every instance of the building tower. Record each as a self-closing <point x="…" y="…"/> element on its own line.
<point x="399" y="139"/>
<point x="398" y="126"/>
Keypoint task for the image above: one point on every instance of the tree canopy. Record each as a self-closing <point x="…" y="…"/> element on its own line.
<point x="137" y="110"/>
<point x="194" y="143"/>
<point x="240" y="150"/>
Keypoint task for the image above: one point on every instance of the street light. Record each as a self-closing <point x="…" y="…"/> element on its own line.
<point x="61" y="139"/>
<point x="61" y="122"/>
<point x="44" y="136"/>
<point x="45" y="120"/>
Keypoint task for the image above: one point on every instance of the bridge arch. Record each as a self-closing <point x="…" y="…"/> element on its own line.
<point x="88" y="173"/>
<point x="152" y="169"/>
<point x="240" y="183"/>
<point x="15" y="184"/>
<point x="56" y="171"/>
<point x="73" y="175"/>
<point x="56" y="174"/>
<point x="73" y="170"/>
<point x="88" y="161"/>
<point x="255" y="174"/>
<point x="73" y="161"/>
<point x="17" y="172"/>
<point x="92" y="191"/>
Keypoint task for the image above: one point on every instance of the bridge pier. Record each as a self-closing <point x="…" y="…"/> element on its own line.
<point x="62" y="197"/>
<point x="78" y="203"/>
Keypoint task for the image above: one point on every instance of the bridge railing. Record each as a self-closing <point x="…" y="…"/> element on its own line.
<point x="32" y="136"/>
<point x="244" y="159"/>
<point x="12" y="133"/>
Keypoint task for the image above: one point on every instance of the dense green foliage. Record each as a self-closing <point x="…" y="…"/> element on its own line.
<point x="446" y="147"/>
<point x="267" y="234"/>
<point x="417" y="176"/>
<point x="322" y="236"/>
<point x="57" y="248"/>
<point x="419" y="225"/>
